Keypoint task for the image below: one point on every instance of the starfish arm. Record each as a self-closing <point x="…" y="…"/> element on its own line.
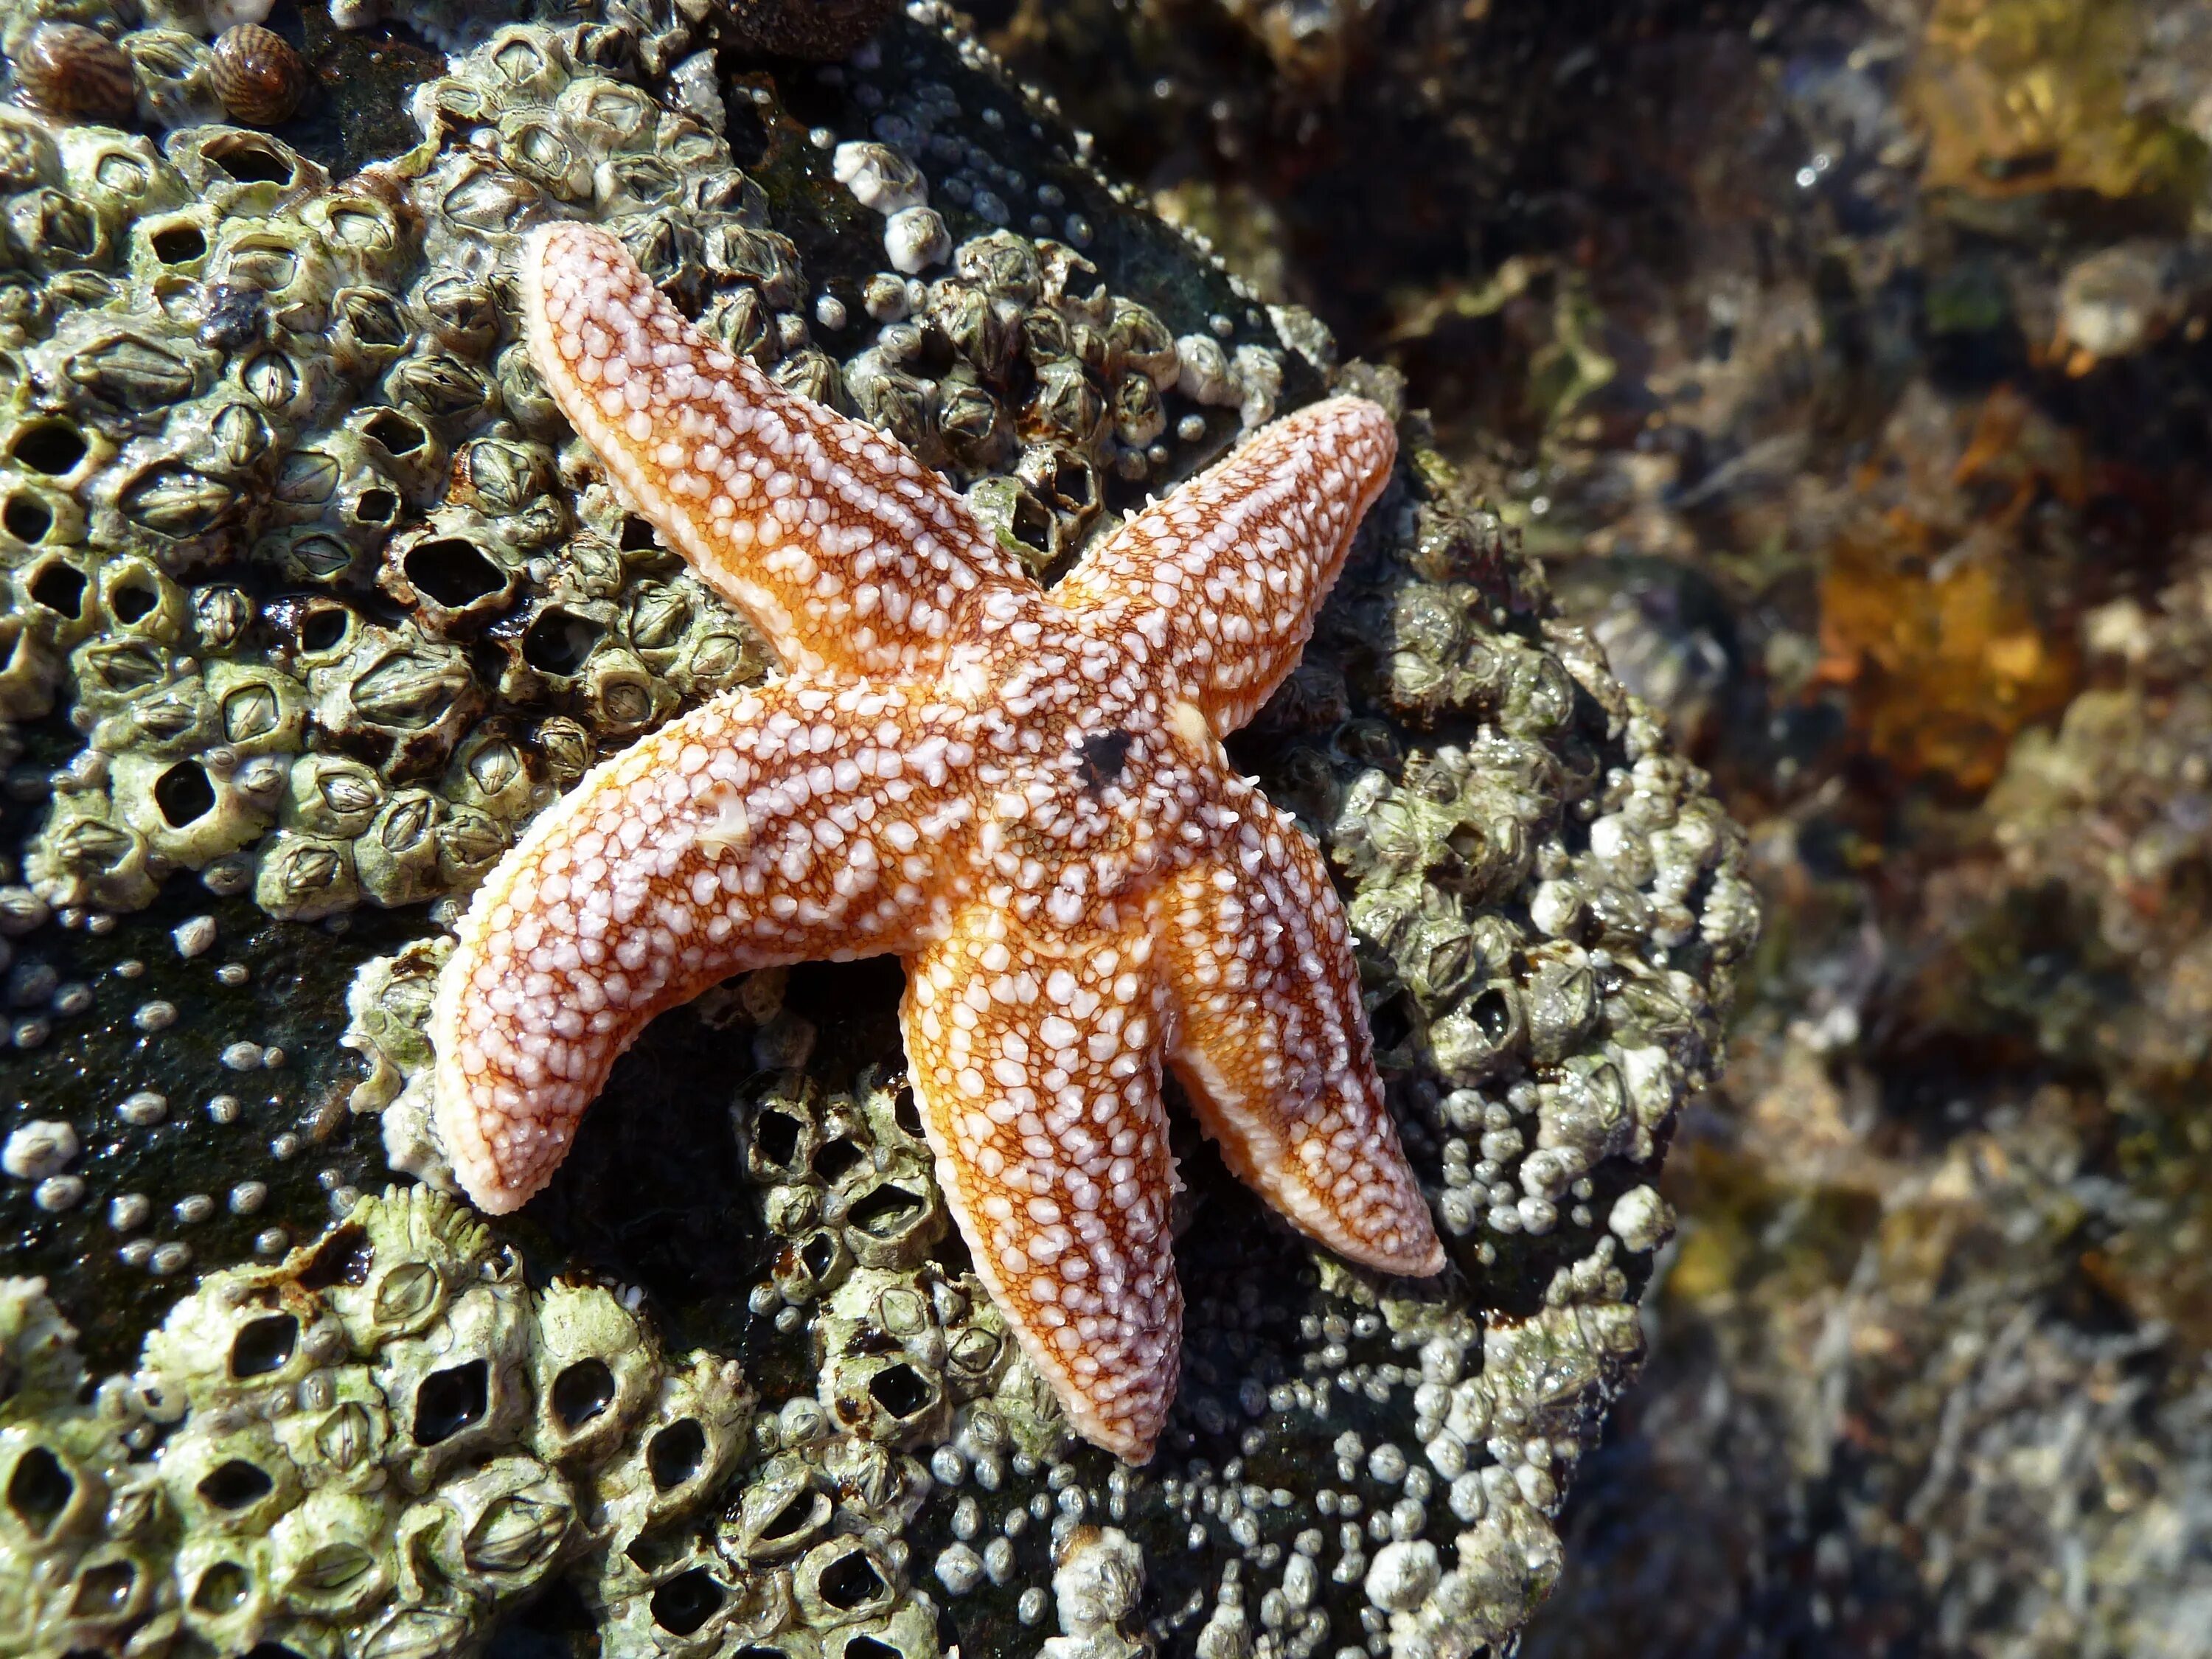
<point x="1269" y="1041"/>
<point x="779" y="824"/>
<point x="1225" y="576"/>
<point x="1035" y="1058"/>
<point x="848" y="554"/>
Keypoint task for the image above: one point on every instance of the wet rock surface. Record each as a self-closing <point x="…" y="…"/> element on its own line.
<point x="314" y="602"/>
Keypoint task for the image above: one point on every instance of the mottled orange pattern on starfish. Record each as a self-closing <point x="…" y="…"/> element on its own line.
<point x="1022" y="794"/>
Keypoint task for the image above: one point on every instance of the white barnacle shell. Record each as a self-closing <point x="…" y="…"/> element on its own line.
<point x="915" y="239"/>
<point x="879" y="177"/>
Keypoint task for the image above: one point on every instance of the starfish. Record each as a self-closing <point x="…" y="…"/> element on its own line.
<point x="1021" y="794"/>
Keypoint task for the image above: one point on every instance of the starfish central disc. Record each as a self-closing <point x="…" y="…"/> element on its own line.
<point x="1022" y="795"/>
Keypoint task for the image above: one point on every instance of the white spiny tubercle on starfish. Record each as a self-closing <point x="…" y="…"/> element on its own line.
<point x="1023" y="795"/>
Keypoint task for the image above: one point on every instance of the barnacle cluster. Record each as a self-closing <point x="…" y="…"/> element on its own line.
<point x="1346" y="1453"/>
<point x="1555" y="902"/>
<point x="344" y="633"/>
<point x="377" y="1445"/>
<point x="318" y="470"/>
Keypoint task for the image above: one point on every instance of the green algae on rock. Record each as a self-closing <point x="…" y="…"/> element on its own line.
<point x="314" y="604"/>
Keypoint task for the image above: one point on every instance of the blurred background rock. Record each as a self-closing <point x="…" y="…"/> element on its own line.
<point x="1848" y="363"/>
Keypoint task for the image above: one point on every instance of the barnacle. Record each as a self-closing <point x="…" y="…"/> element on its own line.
<point x="350" y="1430"/>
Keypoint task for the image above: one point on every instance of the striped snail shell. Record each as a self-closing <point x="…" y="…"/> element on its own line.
<point x="257" y="74"/>
<point x="79" y="74"/>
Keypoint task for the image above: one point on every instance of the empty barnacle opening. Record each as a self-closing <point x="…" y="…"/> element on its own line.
<point x="447" y="1402"/>
<point x="776" y="1135"/>
<point x="906" y="1112"/>
<point x="802" y="1514"/>
<point x="683" y="1605"/>
<point x="1492" y="1012"/>
<point x="1394" y="1022"/>
<point x="53" y="447"/>
<point x="25" y="518"/>
<point x="39" y="1489"/>
<point x="221" y="1588"/>
<point x="452" y="571"/>
<point x="376" y="509"/>
<point x="264" y="1345"/>
<point x="251" y="159"/>
<point x="851" y="1581"/>
<point x="235" y="1484"/>
<point x="104" y="1590"/>
<point x="343" y="1258"/>
<point x="320" y="626"/>
<point x="837" y="1159"/>
<point x="676" y="1453"/>
<point x="868" y="1647"/>
<point x="177" y="244"/>
<point x="1470" y="842"/>
<point x="900" y="1390"/>
<point x="581" y="1392"/>
<point x="819" y="1253"/>
<point x="400" y="435"/>
<point x="1030" y="522"/>
<point x="184" y="794"/>
<point x="133" y="598"/>
<point x="653" y="1552"/>
<point x="885" y="1210"/>
<point x="558" y="641"/>
<point x="59" y="585"/>
<point x="1063" y="479"/>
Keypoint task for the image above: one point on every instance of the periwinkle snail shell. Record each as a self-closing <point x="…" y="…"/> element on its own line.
<point x="257" y="74"/>
<point x="68" y="71"/>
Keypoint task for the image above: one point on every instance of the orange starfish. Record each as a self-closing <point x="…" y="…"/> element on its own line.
<point x="1022" y="794"/>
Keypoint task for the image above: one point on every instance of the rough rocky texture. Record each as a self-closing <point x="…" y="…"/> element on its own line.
<point x="362" y="608"/>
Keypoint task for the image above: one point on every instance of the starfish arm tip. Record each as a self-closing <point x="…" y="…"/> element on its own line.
<point x="1133" y="1443"/>
<point x="1416" y="1253"/>
<point x="468" y="1149"/>
<point x="1421" y="1254"/>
